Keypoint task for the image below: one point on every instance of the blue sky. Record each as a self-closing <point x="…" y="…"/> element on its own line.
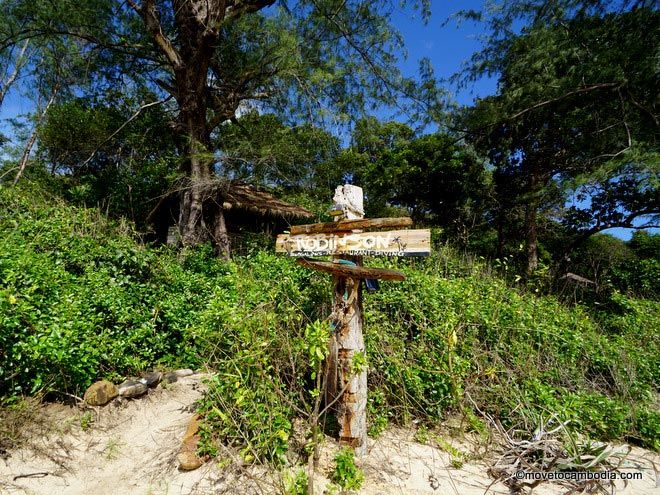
<point x="448" y="47"/>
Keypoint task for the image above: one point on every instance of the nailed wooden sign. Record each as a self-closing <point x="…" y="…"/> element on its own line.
<point x="390" y="243"/>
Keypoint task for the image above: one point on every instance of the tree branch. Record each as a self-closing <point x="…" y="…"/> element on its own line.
<point x="133" y="50"/>
<point x="119" y="129"/>
<point x="151" y="21"/>
<point x="626" y="222"/>
<point x="239" y="9"/>
<point x="18" y="65"/>
<point x="565" y="95"/>
<point x="33" y="137"/>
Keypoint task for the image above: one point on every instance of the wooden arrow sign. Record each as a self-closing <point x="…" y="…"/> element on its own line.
<point x="390" y="243"/>
<point x="358" y="272"/>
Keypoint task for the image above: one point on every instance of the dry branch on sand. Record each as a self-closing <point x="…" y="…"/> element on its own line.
<point x="554" y="453"/>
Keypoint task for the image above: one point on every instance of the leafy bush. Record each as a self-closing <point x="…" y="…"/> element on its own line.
<point x="81" y="299"/>
<point x="255" y="335"/>
<point x="346" y="474"/>
<point x="433" y="338"/>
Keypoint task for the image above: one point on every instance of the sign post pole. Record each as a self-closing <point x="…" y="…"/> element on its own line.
<point x="346" y="382"/>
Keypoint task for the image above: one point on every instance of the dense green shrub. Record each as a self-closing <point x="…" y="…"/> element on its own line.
<point x="80" y="299"/>
<point x="432" y="338"/>
<point x="253" y="335"/>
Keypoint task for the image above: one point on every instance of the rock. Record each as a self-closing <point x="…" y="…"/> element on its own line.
<point x="132" y="388"/>
<point x="188" y="461"/>
<point x="151" y="378"/>
<point x="191" y="436"/>
<point x="100" y="393"/>
<point x="174" y="376"/>
<point x="187" y="457"/>
<point x="170" y="377"/>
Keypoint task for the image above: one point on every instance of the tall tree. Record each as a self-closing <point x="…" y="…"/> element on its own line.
<point x="576" y="99"/>
<point x="214" y="58"/>
<point x="43" y="65"/>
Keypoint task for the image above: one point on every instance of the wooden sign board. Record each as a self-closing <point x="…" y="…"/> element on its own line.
<point x="351" y="235"/>
<point x="390" y="243"/>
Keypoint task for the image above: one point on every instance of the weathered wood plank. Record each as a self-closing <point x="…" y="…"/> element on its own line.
<point x="347" y="339"/>
<point x="348" y="225"/>
<point x="351" y="384"/>
<point x="389" y="243"/>
<point x="356" y="272"/>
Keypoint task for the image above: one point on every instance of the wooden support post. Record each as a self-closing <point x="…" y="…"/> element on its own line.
<point x="346" y="240"/>
<point x="351" y="406"/>
<point x="345" y="386"/>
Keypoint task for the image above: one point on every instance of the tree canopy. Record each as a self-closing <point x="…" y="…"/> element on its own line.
<point x="320" y="58"/>
<point x="149" y="98"/>
<point x="575" y="112"/>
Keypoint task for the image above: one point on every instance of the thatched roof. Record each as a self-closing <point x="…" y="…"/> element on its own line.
<point x="246" y="197"/>
<point x="240" y="196"/>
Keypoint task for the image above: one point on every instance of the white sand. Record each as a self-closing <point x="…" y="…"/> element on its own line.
<point x="131" y="450"/>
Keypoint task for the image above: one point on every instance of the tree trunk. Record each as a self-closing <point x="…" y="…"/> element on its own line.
<point x="220" y="236"/>
<point x="191" y="83"/>
<point x="191" y="220"/>
<point x="197" y="24"/>
<point x="531" y="214"/>
<point x="530" y="238"/>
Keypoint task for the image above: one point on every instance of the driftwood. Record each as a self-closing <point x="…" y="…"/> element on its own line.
<point x="552" y="453"/>
<point x="577" y="278"/>
<point x="348" y="225"/>
<point x="348" y="271"/>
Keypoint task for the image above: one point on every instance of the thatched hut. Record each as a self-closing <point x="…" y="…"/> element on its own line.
<point x="249" y="211"/>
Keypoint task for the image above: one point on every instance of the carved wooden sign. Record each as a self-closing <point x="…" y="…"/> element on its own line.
<point x="390" y="243"/>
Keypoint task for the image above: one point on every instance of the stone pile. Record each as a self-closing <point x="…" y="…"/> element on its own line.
<point x="103" y="391"/>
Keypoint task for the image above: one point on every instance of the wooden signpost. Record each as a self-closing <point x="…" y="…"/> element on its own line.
<point x="347" y="242"/>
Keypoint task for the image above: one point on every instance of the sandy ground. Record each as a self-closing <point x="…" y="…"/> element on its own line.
<point x="131" y="449"/>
